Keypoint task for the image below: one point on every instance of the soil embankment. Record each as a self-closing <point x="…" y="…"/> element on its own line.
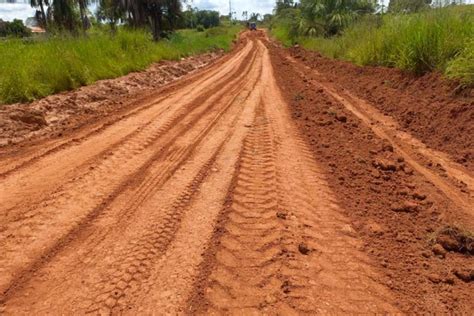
<point x="438" y="112"/>
<point x="396" y="197"/>
<point x="59" y="114"/>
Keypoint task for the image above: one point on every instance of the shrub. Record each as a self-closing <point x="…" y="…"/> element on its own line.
<point x="14" y="29"/>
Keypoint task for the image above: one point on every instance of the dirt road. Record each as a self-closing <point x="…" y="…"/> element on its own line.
<point x="207" y="197"/>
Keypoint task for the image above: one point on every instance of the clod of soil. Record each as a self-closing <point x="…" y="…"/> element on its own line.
<point x="281" y="215"/>
<point x="439" y="251"/>
<point x="407" y="207"/>
<point x="303" y="248"/>
<point x="467" y="275"/>
<point x="29" y="118"/>
<point x="341" y="118"/>
<point x="384" y="165"/>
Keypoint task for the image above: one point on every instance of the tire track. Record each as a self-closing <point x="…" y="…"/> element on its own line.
<point x="248" y="260"/>
<point x="88" y="194"/>
<point x="284" y="247"/>
<point x="138" y="259"/>
<point x="140" y="128"/>
<point x="106" y="289"/>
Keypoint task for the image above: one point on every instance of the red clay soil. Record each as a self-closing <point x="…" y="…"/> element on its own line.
<point x="256" y="185"/>
<point x="394" y="209"/>
<point x="437" y="111"/>
<point x="61" y="113"/>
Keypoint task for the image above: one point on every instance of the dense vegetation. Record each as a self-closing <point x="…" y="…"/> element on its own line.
<point x="44" y="67"/>
<point x="414" y="35"/>
<point x="16" y="28"/>
<point x="160" y="16"/>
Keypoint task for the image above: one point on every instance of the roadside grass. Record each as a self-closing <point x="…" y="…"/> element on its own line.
<point x="281" y="32"/>
<point x="434" y="40"/>
<point x="31" y="69"/>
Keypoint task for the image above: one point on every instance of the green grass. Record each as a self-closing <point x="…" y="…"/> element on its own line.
<point x="435" y="40"/>
<point x="282" y="34"/>
<point x="34" y="69"/>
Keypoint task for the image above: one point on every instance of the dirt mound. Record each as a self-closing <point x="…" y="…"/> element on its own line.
<point x="60" y="113"/>
<point x="392" y="207"/>
<point x="437" y="111"/>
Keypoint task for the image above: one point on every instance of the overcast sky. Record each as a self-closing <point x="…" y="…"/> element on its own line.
<point x="22" y="10"/>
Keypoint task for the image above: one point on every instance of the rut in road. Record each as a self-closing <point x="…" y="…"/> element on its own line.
<point x="36" y="225"/>
<point x="284" y="247"/>
<point x="134" y="222"/>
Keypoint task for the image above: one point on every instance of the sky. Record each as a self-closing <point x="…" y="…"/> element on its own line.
<point x="258" y="6"/>
<point x="22" y="10"/>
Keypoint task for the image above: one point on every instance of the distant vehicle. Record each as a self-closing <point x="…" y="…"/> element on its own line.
<point x="253" y="26"/>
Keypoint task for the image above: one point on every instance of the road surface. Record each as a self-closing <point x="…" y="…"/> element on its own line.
<point x="203" y="198"/>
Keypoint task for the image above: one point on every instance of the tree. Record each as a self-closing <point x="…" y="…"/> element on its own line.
<point x="41" y="4"/>
<point x="284" y="4"/>
<point x="110" y="11"/>
<point x="63" y="14"/>
<point x="83" y="12"/>
<point x="207" y="18"/>
<point x="173" y="13"/>
<point x="245" y="15"/>
<point x="330" y="17"/>
<point x="254" y="17"/>
<point x="161" y="15"/>
<point x="16" y="28"/>
<point x="267" y="18"/>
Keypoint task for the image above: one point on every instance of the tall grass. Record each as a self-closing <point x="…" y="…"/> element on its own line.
<point x="434" y="40"/>
<point x="282" y="33"/>
<point x="34" y="69"/>
<point x="419" y="43"/>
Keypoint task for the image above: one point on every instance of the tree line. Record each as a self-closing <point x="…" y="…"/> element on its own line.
<point x="161" y="16"/>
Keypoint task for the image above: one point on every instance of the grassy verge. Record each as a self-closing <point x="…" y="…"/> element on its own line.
<point x="434" y="40"/>
<point x="34" y="69"/>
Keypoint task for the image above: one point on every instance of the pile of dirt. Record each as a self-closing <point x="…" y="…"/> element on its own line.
<point x="437" y="111"/>
<point x="394" y="209"/>
<point x="60" y="113"/>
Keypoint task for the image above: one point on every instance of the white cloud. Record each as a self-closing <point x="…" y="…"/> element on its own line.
<point x="10" y="11"/>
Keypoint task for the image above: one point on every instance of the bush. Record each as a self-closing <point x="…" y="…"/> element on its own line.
<point x="44" y="67"/>
<point x="14" y="29"/>
<point x="200" y="28"/>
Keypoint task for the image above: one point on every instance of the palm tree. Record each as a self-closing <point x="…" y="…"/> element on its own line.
<point x="41" y="4"/>
<point x="82" y="10"/>
<point x="329" y="17"/>
<point x="173" y="12"/>
<point x="63" y="14"/>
